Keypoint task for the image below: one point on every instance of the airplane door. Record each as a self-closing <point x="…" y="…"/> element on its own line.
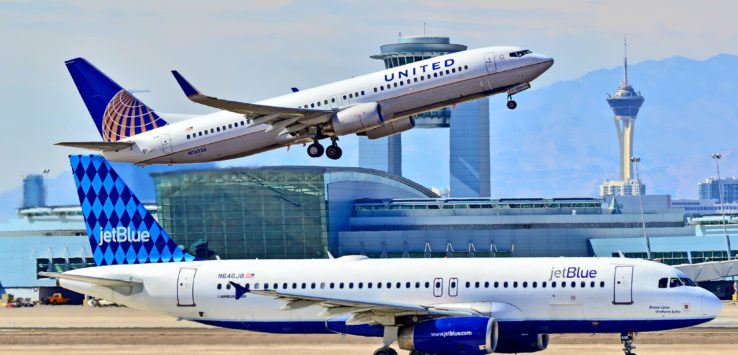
<point x="623" y="285"/>
<point x="166" y="143"/>
<point x="333" y="101"/>
<point x="453" y="287"/>
<point x="438" y="287"/>
<point x="186" y="287"/>
<point x="489" y="61"/>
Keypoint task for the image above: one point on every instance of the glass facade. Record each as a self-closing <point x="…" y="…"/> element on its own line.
<point x="246" y="213"/>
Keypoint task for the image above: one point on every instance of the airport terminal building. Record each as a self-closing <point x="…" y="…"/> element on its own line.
<point x="305" y="211"/>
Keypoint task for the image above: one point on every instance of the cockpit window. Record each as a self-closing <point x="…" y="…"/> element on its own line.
<point x="674" y="282"/>
<point x="519" y="54"/>
<point x="664" y="283"/>
<point x="688" y="282"/>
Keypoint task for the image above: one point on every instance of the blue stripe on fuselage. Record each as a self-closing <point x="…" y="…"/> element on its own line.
<point x="506" y="328"/>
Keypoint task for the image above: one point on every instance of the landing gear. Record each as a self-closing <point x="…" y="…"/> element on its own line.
<point x="511" y="104"/>
<point x="385" y="351"/>
<point x="334" y="151"/>
<point x="627" y="340"/>
<point x="315" y="150"/>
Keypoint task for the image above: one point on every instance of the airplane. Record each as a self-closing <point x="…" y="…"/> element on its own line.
<point x="373" y="105"/>
<point x="438" y="306"/>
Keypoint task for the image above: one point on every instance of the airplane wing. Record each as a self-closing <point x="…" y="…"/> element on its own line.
<point x="290" y="120"/>
<point x="361" y="311"/>
<point x="126" y="287"/>
<point x="98" y="146"/>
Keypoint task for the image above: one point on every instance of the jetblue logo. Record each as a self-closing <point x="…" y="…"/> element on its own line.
<point x="572" y="272"/>
<point x="425" y="68"/>
<point x="123" y="234"/>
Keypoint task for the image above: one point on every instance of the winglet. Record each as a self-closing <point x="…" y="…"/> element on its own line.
<point x="188" y="89"/>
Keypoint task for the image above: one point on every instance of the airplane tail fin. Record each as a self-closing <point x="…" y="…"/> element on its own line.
<point x="116" y="112"/>
<point x="119" y="228"/>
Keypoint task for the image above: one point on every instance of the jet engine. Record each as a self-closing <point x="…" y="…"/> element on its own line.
<point x="452" y="335"/>
<point x="390" y="128"/>
<point x="524" y="343"/>
<point x="357" y="118"/>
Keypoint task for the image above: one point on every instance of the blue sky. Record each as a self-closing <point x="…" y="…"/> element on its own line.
<point x="254" y="50"/>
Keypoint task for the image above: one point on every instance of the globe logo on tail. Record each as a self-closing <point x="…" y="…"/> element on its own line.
<point x="126" y="116"/>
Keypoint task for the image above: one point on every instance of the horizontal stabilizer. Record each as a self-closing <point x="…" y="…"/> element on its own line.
<point x="89" y="279"/>
<point x="99" y="146"/>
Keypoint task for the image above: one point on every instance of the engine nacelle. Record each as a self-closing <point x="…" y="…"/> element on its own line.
<point x="452" y="335"/>
<point x="527" y="343"/>
<point x="357" y="118"/>
<point x="391" y="128"/>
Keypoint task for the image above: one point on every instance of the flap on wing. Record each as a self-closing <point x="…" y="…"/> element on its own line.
<point x="99" y="146"/>
<point x="250" y="110"/>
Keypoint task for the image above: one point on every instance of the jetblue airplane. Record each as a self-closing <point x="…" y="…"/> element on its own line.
<point x="427" y="306"/>
<point x="374" y="105"/>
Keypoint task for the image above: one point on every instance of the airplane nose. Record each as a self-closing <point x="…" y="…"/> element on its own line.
<point x="545" y="60"/>
<point x="711" y="305"/>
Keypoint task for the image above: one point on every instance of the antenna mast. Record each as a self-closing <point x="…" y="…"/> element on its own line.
<point x="625" y="47"/>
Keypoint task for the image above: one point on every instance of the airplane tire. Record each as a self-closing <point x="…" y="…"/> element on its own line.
<point x="334" y="152"/>
<point x="385" y="351"/>
<point x="315" y="150"/>
<point x="511" y="104"/>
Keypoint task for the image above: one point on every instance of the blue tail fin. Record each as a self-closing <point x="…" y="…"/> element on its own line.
<point x="117" y="114"/>
<point x="119" y="228"/>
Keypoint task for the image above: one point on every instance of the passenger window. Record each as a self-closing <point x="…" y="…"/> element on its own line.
<point x="361" y="285"/>
<point x="573" y="284"/>
<point x="399" y="285"/>
<point x="417" y="285"/>
<point x="402" y="83"/>
<point x="535" y="284"/>
<point x="344" y="97"/>
<point x="284" y="285"/>
<point x="332" y="285"/>
<point x="395" y="84"/>
<point x="543" y="284"/>
<point x="408" y="81"/>
<point x="525" y="284"/>
<point x="242" y="123"/>
<point x="351" y="96"/>
<point x="188" y="136"/>
<point x="389" y="285"/>
<point x="468" y="284"/>
<point x="318" y="104"/>
<point x="379" y="285"/>
<point x="333" y="99"/>
<point x="217" y="129"/>
<point x="362" y="93"/>
<point x="583" y="284"/>
<point x="466" y="67"/>
<point x="276" y="286"/>
<point x="224" y="128"/>
<point x="369" y="285"/>
<point x="375" y="89"/>
<point x="220" y="286"/>
<point x="515" y="284"/>
<point x="453" y="70"/>
<point x="294" y="285"/>
<point x="497" y="284"/>
<point x="553" y="284"/>
<point x="427" y="284"/>
<point x="340" y="285"/>
<point x="304" y="285"/>
<point x="206" y="133"/>
<point x="486" y="284"/>
<point x="415" y="80"/>
<point x="602" y="283"/>
<point x="312" y="105"/>
<point x="447" y="72"/>
<point x="212" y="130"/>
<point x="325" y="102"/>
<point x="504" y="284"/>
<point x="476" y="284"/>
<point x="351" y="285"/>
<point x="407" y="285"/>
<point x="312" y="285"/>
<point x="422" y="78"/>
<point x="592" y="284"/>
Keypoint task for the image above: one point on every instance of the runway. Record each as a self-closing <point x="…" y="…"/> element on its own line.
<point x="81" y="330"/>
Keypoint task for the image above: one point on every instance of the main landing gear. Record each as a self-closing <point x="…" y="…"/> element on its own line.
<point x="385" y="351"/>
<point x="627" y="340"/>
<point x="333" y="151"/>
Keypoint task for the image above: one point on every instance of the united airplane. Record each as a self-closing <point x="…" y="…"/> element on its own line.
<point x="426" y="306"/>
<point x="374" y="105"/>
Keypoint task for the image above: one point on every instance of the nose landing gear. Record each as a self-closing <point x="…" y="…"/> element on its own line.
<point x="627" y="340"/>
<point x="511" y="104"/>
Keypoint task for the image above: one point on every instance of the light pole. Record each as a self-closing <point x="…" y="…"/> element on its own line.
<point x="716" y="157"/>
<point x="636" y="161"/>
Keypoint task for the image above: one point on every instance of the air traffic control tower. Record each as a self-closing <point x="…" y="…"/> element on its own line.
<point x="625" y="104"/>
<point x="468" y="122"/>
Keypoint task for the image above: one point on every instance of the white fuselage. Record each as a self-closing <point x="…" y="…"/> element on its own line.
<point x="600" y="294"/>
<point x="402" y="92"/>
